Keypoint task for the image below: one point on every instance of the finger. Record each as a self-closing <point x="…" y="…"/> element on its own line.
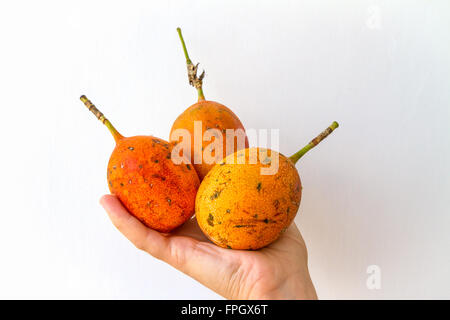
<point x="142" y="237"/>
<point x="292" y="230"/>
<point x="203" y="261"/>
<point x="290" y="236"/>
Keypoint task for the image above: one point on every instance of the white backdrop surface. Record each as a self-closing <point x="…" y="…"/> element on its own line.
<point x="375" y="193"/>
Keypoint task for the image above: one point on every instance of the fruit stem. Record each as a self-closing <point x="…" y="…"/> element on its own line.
<point x="201" y="96"/>
<point x="196" y="82"/>
<point x="314" y="142"/>
<point x="117" y="136"/>
<point x="186" y="54"/>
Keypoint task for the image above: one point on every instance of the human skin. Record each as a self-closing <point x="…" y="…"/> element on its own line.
<point x="278" y="271"/>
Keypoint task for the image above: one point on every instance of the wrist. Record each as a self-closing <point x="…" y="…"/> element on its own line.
<point x="293" y="289"/>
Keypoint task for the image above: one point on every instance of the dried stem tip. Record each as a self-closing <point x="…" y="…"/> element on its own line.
<point x="92" y="108"/>
<point x="314" y="142"/>
<point x="196" y="82"/>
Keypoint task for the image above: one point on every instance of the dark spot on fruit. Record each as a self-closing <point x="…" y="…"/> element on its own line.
<point x="255" y="216"/>
<point x="258" y="187"/>
<point x="266" y="220"/>
<point x="155" y="140"/>
<point x="156" y="161"/>
<point x="228" y="210"/>
<point x="288" y="209"/>
<point x="158" y="177"/>
<point x="169" y="201"/>
<point x="188" y="167"/>
<point x="244" y="225"/>
<point x="210" y="220"/>
<point x="131" y="148"/>
<point x="215" y="195"/>
<point x="229" y="247"/>
<point x="276" y="204"/>
<point x="110" y="183"/>
<point x="114" y="167"/>
<point x="168" y="156"/>
<point x="121" y="184"/>
<point x="141" y="166"/>
<point x="166" y="146"/>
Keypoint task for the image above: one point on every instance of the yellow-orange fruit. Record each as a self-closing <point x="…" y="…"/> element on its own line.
<point x="212" y="115"/>
<point x="141" y="173"/>
<point x="238" y="207"/>
<point x="158" y="192"/>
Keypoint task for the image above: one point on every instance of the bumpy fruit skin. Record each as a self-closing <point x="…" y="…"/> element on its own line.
<point x="213" y="115"/>
<point x="238" y="208"/>
<point x="158" y="192"/>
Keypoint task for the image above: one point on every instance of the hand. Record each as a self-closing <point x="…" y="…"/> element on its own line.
<point x="278" y="271"/>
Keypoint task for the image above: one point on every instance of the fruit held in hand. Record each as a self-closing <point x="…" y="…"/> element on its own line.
<point x="237" y="207"/>
<point x="141" y="174"/>
<point x="212" y="115"/>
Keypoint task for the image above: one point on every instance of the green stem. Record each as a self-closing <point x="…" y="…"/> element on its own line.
<point x="117" y="136"/>
<point x="201" y="96"/>
<point x="194" y="81"/>
<point x="188" y="60"/>
<point x="314" y="142"/>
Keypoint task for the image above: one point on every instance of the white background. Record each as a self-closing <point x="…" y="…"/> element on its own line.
<point x="376" y="192"/>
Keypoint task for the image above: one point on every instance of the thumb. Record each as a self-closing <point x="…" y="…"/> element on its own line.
<point x="142" y="237"/>
<point x="202" y="261"/>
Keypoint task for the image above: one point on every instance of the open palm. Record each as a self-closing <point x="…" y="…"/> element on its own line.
<point x="278" y="271"/>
